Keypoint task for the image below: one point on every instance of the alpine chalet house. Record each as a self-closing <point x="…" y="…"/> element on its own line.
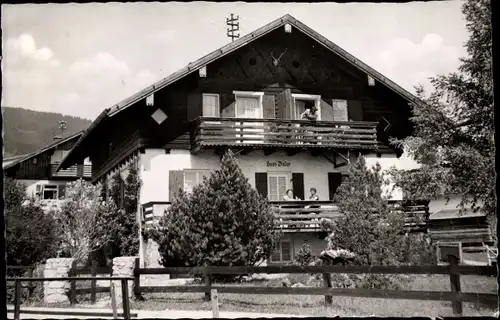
<point x="248" y="96"/>
<point x="38" y="171"/>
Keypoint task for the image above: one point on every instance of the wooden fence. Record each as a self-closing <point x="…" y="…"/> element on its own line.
<point x="93" y="271"/>
<point x="125" y="298"/>
<point x="31" y="287"/>
<point x="454" y="270"/>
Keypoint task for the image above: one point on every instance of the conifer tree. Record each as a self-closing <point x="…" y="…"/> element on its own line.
<point x="223" y="222"/>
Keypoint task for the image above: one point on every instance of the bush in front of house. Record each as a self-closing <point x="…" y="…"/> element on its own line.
<point x="31" y="235"/>
<point x="373" y="232"/>
<point x="304" y="256"/>
<point x="223" y="222"/>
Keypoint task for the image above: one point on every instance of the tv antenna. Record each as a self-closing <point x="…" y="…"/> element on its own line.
<point x="234" y="25"/>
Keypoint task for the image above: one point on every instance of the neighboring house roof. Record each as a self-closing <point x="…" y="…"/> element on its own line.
<point x="44" y="149"/>
<point x="9" y="160"/>
<point x="230" y="47"/>
<point x="455" y="214"/>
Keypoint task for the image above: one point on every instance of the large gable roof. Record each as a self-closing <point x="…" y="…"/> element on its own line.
<point x="230" y="47"/>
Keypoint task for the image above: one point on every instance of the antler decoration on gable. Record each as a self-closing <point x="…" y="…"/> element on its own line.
<point x="276" y="61"/>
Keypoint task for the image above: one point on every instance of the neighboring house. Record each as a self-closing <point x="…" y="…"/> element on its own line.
<point x="38" y="171"/>
<point x="248" y="96"/>
<point x="447" y="224"/>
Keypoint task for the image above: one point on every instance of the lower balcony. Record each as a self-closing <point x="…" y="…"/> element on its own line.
<point x="269" y="133"/>
<point x="302" y="216"/>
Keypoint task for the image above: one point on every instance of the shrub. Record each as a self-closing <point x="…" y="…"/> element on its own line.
<point x="31" y="235"/>
<point x="223" y="222"/>
<point x="304" y="256"/>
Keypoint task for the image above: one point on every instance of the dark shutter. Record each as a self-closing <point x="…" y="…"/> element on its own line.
<point x="268" y="107"/>
<point x="355" y="110"/>
<point x="298" y="185"/>
<point x="228" y="105"/>
<point x="122" y="192"/>
<point x="284" y="104"/>
<point x="194" y="105"/>
<point x="334" y="181"/>
<point x="175" y="183"/>
<point x="62" y="190"/>
<point x="261" y="183"/>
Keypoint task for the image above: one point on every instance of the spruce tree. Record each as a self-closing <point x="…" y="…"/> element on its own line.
<point x="223" y="222"/>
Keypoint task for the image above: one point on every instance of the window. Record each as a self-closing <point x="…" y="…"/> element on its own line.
<point x="210" y="105"/>
<point x="282" y="252"/>
<point x="49" y="192"/>
<point x="192" y="178"/>
<point x="300" y="101"/>
<point x="249" y="104"/>
<point x="277" y="186"/>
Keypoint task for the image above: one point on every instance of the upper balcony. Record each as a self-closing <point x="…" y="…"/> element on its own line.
<point x="268" y="133"/>
<point x="76" y="171"/>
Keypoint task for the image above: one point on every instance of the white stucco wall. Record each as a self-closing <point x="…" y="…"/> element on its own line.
<point x="154" y="167"/>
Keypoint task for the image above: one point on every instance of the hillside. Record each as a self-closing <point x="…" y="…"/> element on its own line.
<point x="26" y="131"/>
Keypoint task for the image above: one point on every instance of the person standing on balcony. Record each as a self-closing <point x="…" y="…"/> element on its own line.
<point x="289" y="197"/>
<point x="311" y="114"/>
<point x="313" y="197"/>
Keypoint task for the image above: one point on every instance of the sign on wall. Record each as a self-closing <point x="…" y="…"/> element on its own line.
<point x="278" y="164"/>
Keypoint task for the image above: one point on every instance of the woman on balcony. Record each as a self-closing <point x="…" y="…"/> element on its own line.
<point x="311" y="114"/>
<point x="314" y="197"/>
<point x="290" y="197"/>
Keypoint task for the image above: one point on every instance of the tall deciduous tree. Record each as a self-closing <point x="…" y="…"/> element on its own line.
<point x="223" y="222"/>
<point x="453" y="135"/>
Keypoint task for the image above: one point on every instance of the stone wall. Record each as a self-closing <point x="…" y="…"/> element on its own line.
<point x="123" y="267"/>
<point x="57" y="291"/>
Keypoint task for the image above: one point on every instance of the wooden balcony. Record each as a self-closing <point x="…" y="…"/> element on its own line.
<point x="301" y="216"/>
<point x="272" y="133"/>
<point x="71" y="172"/>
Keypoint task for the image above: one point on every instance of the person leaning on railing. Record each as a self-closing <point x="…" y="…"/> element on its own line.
<point x="311" y="114"/>
<point x="314" y="197"/>
<point x="290" y="197"/>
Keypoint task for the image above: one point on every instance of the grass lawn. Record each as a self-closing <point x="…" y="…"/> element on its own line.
<point x="343" y="306"/>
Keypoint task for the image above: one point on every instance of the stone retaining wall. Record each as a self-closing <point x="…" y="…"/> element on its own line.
<point x="123" y="267"/>
<point x="57" y="291"/>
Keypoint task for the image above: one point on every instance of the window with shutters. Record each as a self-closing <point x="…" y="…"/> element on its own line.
<point x="277" y="186"/>
<point x="282" y="252"/>
<point x="192" y="178"/>
<point x="49" y="192"/>
<point x="210" y="105"/>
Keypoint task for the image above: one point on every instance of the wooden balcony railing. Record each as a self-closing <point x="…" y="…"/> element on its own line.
<point x="209" y="132"/>
<point x="297" y="216"/>
<point x="71" y="172"/>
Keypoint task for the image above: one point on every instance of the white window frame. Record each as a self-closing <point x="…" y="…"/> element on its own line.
<point x="277" y="175"/>
<point x="218" y="103"/>
<point x="42" y="192"/>
<point x="249" y="94"/>
<point x="280" y="243"/>
<point x="198" y="179"/>
<point x="309" y="97"/>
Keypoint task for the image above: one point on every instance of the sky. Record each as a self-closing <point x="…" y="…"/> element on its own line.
<point x="78" y="59"/>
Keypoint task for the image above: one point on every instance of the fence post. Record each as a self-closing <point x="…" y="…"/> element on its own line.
<point x="137" y="280"/>
<point x="72" y="273"/>
<point x="327" y="280"/>
<point x="125" y="299"/>
<point x="93" y="271"/>
<point x="113" y="299"/>
<point x="455" y="284"/>
<point x="208" y="283"/>
<point x="30" y="283"/>
<point x="215" y="303"/>
<point x="17" y="300"/>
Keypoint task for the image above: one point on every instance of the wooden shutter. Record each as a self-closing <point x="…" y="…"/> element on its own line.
<point x="355" y="110"/>
<point x="334" y="181"/>
<point x="228" y="105"/>
<point x="284" y="104"/>
<point x="268" y="107"/>
<point x="61" y="191"/>
<point x="326" y="111"/>
<point x="261" y="183"/>
<point x="298" y="185"/>
<point x="340" y="110"/>
<point x="286" y="251"/>
<point x="122" y="192"/>
<point x="194" y="105"/>
<point x="175" y="183"/>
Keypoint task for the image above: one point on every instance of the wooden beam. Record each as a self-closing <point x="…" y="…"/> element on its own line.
<point x="293" y="151"/>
